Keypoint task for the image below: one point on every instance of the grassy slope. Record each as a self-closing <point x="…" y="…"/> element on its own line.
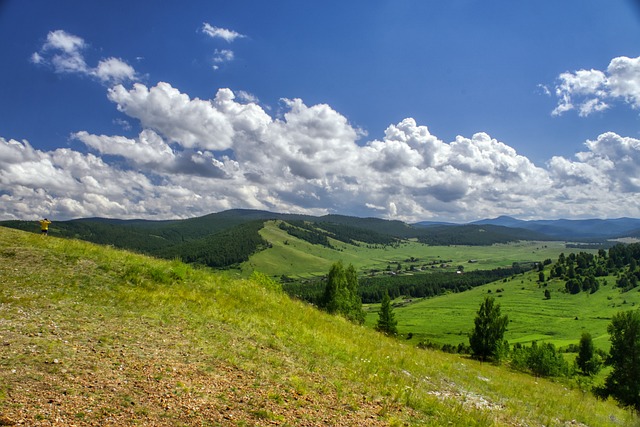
<point x="301" y="259"/>
<point x="95" y="336"/>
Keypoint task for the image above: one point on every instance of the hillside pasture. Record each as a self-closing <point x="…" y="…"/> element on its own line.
<point x="298" y="259"/>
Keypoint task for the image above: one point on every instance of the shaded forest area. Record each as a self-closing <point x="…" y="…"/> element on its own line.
<point x="373" y="289"/>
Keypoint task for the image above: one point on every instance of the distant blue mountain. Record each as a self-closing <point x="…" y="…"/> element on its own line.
<point x="562" y="229"/>
<point x="573" y="229"/>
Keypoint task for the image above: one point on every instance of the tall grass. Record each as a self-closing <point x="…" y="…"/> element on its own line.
<point x="99" y="312"/>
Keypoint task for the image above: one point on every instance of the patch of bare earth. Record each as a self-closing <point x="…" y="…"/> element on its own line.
<point x="156" y="394"/>
<point x="57" y="374"/>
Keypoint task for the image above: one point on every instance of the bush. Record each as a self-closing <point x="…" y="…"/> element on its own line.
<point x="542" y="360"/>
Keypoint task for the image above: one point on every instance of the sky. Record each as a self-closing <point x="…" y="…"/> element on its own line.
<point x="415" y="110"/>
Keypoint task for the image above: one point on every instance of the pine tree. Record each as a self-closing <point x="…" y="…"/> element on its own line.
<point x="587" y="360"/>
<point x="623" y="383"/>
<point x="387" y="323"/>
<point x="486" y="340"/>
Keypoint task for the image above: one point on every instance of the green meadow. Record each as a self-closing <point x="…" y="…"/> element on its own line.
<point x="448" y="319"/>
<point x="560" y="320"/>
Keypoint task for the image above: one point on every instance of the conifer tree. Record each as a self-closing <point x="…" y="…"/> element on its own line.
<point x="486" y="339"/>
<point x="387" y="323"/>
<point x="623" y="383"/>
<point x="587" y="360"/>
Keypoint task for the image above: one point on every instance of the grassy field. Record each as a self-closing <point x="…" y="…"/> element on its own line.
<point x="560" y="320"/>
<point x="94" y="336"/>
<point x="298" y="259"/>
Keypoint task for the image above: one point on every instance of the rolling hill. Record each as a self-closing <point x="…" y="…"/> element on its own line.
<point x="193" y="239"/>
<point x="92" y="335"/>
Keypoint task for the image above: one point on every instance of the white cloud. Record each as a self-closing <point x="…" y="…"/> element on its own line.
<point x="221" y="56"/>
<point x="189" y="122"/>
<point x="149" y="152"/>
<point x="247" y="97"/>
<point x="224" y="55"/>
<point x="196" y="156"/>
<point x="148" y="148"/>
<point x="114" y="70"/>
<point x="624" y="79"/>
<point x="591" y="91"/>
<point x="63" y="52"/>
<point x="222" y="33"/>
<point x="61" y="40"/>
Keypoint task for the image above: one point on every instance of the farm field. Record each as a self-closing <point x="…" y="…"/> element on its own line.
<point x="447" y="319"/>
<point x="299" y="259"/>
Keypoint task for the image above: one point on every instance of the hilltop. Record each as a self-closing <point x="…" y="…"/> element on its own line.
<point x="97" y="336"/>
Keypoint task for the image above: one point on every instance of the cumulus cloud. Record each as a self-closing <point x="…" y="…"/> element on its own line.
<point x="64" y="53"/>
<point x="221" y="33"/>
<point x="113" y="70"/>
<point x="188" y="122"/>
<point x="590" y="91"/>
<point x="151" y="153"/>
<point x="196" y="156"/>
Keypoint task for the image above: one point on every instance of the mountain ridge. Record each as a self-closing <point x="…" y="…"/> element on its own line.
<point x="573" y="228"/>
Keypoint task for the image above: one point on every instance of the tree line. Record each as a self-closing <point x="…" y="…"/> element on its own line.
<point x="318" y="233"/>
<point x="373" y="289"/>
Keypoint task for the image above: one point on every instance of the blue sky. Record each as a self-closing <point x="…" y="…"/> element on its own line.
<point x="412" y="110"/>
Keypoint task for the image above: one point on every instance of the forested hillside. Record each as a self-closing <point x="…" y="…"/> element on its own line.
<point x="585" y="272"/>
<point x="480" y="235"/>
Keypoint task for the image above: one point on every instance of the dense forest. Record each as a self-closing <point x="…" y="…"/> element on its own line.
<point x="222" y="249"/>
<point x="476" y="235"/>
<point x="373" y="289"/>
